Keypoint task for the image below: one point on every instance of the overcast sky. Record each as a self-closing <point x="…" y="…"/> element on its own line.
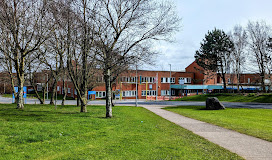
<point x="199" y="16"/>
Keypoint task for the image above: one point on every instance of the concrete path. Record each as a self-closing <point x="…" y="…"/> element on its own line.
<point x="248" y="147"/>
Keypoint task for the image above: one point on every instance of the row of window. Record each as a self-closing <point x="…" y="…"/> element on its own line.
<point x="128" y="79"/>
<point x="229" y="81"/>
<point x="149" y="93"/>
<point x="166" y="92"/>
<point x="149" y="79"/>
<point x="129" y="93"/>
<point x="167" y="79"/>
<point x="100" y="94"/>
<point x="172" y="79"/>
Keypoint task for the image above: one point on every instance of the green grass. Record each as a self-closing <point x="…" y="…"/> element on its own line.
<point x="254" y="122"/>
<point x="59" y="97"/>
<point x="251" y="97"/>
<point x="41" y="132"/>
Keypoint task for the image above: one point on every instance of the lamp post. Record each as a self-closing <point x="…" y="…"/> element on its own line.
<point x="136" y="86"/>
<point x="170" y="84"/>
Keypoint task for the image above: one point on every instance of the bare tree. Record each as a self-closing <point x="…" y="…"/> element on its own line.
<point x="239" y="38"/>
<point x="33" y="66"/>
<point x="24" y="25"/>
<point x="75" y="41"/>
<point x="128" y="29"/>
<point x="7" y="64"/>
<point x="125" y="31"/>
<point x="259" y="33"/>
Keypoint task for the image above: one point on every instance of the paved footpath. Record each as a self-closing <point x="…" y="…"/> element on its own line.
<point x="248" y="147"/>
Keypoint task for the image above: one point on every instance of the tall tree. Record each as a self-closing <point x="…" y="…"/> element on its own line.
<point x="259" y="33"/>
<point x="239" y="38"/>
<point x="24" y="26"/>
<point x="126" y="30"/>
<point x="214" y="53"/>
<point x="77" y="34"/>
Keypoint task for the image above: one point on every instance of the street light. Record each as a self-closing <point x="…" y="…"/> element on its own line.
<point x="170" y="84"/>
<point x="136" y="86"/>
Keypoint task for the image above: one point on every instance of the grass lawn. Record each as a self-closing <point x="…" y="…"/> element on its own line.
<point x="60" y="97"/>
<point x="254" y="122"/>
<point x="41" y="132"/>
<point x="232" y="97"/>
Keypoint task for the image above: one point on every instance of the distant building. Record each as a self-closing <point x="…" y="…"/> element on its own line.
<point x="157" y="84"/>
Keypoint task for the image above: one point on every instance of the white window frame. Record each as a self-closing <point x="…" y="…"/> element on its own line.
<point x="129" y="93"/>
<point x="164" y="92"/>
<point x="186" y="79"/>
<point x="173" y="79"/>
<point x="149" y="93"/>
<point x="100" y="94"/>
<point x="189" y="80"/>
<point x="69" y="90"/>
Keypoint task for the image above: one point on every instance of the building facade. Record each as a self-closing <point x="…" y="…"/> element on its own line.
<point x="153" y="84"/>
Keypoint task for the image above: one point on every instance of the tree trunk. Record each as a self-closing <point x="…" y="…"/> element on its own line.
<point x="262" y="82"/>
<point x="83" y="102"/>
<point x="224" y="81"/>
<point x="12" y="80"/>
<point x="43" y="96"/>
<point x="65" y="94"/>
<point x="53" y="92"/>
<point x="238" y="83"/>
<point x="78" y="101"/>
<point x="108" y="94"/>
<point x="20" y="104"/>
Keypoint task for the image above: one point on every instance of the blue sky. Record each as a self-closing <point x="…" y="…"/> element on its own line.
<point x="199" y="16"/>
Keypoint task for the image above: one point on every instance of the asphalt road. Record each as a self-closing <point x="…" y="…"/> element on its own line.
<point x="156" y="103"/>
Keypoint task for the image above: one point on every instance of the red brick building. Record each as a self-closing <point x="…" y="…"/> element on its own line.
<point x="156" y="83"/>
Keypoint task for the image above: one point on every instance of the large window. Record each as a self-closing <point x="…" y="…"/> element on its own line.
<point x="186" y="79"/>
<point x="167" y="79"/>
<point x="100" y="94"/>
<point x="149" y="93"/>
<point x="148" y="79"/>
<point x="128" y="79"/>
<point x="165" y="92"/>
<point x="129" y="93"/>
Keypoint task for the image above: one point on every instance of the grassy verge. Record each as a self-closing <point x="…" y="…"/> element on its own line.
<point x="41" y="132"/>
<point x="254" y="122"/>
<point x="251" y="97"/>
<point x="59" y="97"/>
